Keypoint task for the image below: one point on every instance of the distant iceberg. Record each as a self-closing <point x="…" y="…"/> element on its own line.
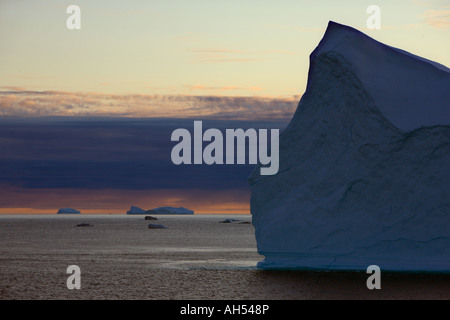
<point x="169" y="210"/>
<point x="68" y="211"/>
<point x="160" y="210"/>
<point x="364" y="174"/>
<point x="135" y="210"/>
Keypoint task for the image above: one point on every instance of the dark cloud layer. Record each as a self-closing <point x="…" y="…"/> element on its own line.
<point x="109" y="153"/>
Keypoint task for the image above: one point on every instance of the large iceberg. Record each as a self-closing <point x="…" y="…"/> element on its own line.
<point x="364" y="174"/>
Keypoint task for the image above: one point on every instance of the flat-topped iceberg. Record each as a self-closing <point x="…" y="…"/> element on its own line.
<point x="169" y="210"/>
<point x="68" y="211"/>
<point x="364" y="175"/>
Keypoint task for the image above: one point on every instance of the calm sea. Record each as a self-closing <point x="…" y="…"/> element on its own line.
<point x="196" y="257"/>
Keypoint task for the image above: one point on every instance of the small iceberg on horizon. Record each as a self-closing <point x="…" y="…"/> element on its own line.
<point x="135" y="210"/>
<point x="68" y="211"/>
<point x="160" y="210"/>
<point x="229" y="220"/>
<point x="169" y="210"/>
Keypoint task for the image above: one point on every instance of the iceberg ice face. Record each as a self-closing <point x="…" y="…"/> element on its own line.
<point x="354" y="187"/>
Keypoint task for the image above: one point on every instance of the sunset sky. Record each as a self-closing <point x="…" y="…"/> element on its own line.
<point x="86" y="115"/>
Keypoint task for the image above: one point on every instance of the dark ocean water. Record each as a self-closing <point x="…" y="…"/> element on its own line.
<point x="196" y="257"/>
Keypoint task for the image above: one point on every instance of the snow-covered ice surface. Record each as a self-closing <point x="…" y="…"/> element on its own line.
<point x="364" y="164"/>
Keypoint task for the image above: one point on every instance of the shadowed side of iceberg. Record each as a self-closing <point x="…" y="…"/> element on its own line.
<point x="353" y="190"/>
<point x="361" y="258"/>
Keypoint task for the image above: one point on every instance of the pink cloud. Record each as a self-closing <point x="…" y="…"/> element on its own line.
<point x="438" y="18"/>
<point x="55" y="103"/>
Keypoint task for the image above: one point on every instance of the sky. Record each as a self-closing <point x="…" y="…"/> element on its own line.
<point x="86" y="115"/>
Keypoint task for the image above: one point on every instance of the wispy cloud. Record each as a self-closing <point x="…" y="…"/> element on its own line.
<point x="295" y="28"/>
<point x="409" y="26"/>
<point x="225" y="88"/>
<point x="218" y="55"/>
<point x="438" y="18"/>
<point x="59" y="103"/>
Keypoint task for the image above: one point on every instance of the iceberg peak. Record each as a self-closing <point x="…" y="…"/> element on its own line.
<point x="409" y="90"/>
